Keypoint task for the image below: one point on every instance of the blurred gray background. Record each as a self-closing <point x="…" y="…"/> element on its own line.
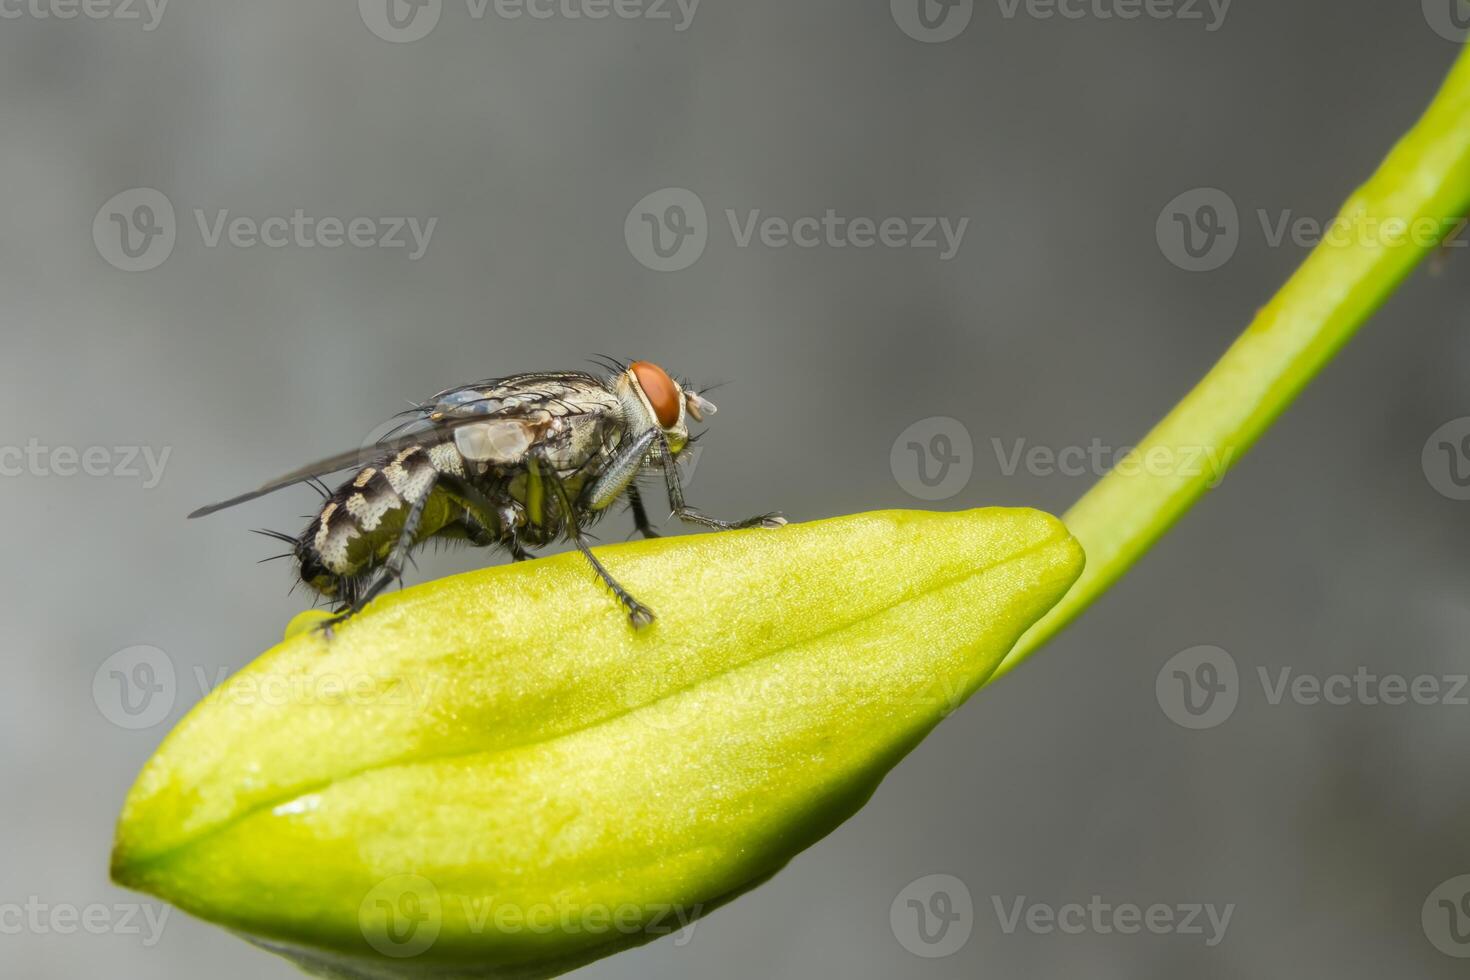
<point x="1063" y="318"/>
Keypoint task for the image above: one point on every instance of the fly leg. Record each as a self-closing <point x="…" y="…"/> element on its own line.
<point x="689" y="515"/>
<point x="482" y="511"/>
<point x="518" y="551"/>
<point x="638" y="614"/>
<point x="640" y="516"/>
<point x="482" y="537"/>
<point x="475" y="531"/>
<point x="392" y="569"/>
<point x="618" y="477"/>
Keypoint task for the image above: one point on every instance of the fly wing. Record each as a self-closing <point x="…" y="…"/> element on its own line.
<point x="353" y="457"/>
<point x="501" y="441"/>
<point x="497" y="416"/>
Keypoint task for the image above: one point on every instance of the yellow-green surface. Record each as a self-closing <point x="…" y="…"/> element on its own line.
<point x="1417" y="198"/>
<point x="506" y="739"/>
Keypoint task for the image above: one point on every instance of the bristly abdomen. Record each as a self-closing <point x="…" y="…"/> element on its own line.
<point x="360" y="521"/>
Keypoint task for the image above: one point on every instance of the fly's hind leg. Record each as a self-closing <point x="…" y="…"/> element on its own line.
<point x="480" y="516"/>
<point x="638" y="614"/>
<point x="475" y="531"/>
<point x="482" y="537"/>
<point x="517" y="550"/>
<point x="640" y="515"/>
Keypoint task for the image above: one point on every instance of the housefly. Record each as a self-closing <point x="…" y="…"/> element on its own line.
<point x="514" y="462"/>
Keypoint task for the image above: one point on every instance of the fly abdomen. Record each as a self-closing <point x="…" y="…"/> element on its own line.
<point x="359" y="523"/>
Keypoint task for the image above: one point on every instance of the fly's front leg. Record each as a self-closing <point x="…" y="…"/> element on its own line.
<point x="392" y="569"/>
<point x="689" y="515"/>
<point x="638" y="614"/>
<point x="618" y="477"/>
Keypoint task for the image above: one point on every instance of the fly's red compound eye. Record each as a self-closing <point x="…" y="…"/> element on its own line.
<point x="660" y="391"/>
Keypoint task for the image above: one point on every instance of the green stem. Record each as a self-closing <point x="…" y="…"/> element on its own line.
<point x="1424" y="186"/>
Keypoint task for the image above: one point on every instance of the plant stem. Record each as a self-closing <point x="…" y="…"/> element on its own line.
<point x="1424" y="187"/>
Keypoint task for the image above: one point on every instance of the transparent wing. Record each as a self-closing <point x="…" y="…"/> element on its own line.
<point x="438" y="419"/>
<point x="411" y="435"/>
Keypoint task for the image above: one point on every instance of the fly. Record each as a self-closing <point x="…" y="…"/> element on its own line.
<point x="514" y="462"/>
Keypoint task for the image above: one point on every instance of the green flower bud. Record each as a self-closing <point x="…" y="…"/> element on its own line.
<point x="492" y="775"/>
